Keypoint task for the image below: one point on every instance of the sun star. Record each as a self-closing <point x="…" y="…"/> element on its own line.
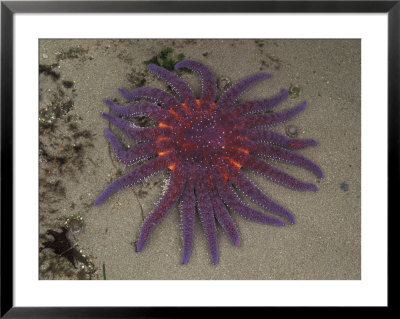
<point x="204" y="144"/>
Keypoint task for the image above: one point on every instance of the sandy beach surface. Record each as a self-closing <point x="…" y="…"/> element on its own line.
<point x="76" y="163"/>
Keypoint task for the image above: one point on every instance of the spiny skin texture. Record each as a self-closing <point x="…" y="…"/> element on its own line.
<point x="204" y="144"/>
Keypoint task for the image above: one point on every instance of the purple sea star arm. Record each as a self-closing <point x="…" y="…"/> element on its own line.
<point x="138" y="174"/>
<point x="231" y="95"/>
<point x="157" y="95"/>
<point x="224" y="218"/>
<point x="177" y="84"/>
<point x="279" y="139"/>
<point x="256" y="195"/>
<point x="165" y="99"/>
<point x="207" y="218"/>
<point x="285" y="155"/>
<point x="171" y="196"/>
<point x="277" y="175"/>
<point x="138" y="152"/>
<point x="144" y="108"/>
<point x="232" y="200"/>
<point x="133" y="155"/>
<point x="271" y="118"/>
<point x="207" y="81"/>
<point x="188" y="209"/>
<point x="260" y="105"/>
<point x="137" y="133"/>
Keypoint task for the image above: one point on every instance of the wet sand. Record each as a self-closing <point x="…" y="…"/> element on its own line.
<point x="76" y="162"/>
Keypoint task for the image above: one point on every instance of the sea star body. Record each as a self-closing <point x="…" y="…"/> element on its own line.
<point x="204" y="143"/>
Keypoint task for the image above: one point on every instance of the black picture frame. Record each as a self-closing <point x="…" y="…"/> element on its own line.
<point x="9" y="8"/>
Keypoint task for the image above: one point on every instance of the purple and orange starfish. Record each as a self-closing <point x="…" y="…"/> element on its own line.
<point x="204" y="143"/>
